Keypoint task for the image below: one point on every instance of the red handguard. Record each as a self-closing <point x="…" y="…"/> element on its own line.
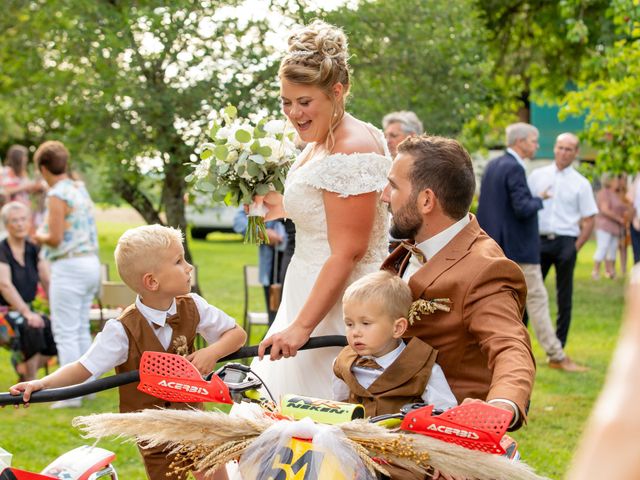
<point x="476" y="426"/>
<point x="173" y="378"/>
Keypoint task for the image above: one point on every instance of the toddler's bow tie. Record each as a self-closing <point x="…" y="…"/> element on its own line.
<point x="368" y="363"/>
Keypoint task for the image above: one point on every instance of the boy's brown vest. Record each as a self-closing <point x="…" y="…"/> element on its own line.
<point x="404" y="381"/>
<point x="142" y="338"/>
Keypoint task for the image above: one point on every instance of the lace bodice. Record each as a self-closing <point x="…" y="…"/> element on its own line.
<point x="346" y="175"/>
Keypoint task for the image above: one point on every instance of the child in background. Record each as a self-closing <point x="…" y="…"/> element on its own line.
<point x="150" y="260"/>
<point x="377" y="368"/>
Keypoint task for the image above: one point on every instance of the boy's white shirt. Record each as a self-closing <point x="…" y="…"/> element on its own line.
<point x="111" y="346"/>
<point x="437" y="391"/>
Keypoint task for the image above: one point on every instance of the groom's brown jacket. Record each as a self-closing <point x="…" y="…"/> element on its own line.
<point x="484" y="348"/>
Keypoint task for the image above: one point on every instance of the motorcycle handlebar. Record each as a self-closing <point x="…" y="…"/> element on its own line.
<point x="64" y="393"/>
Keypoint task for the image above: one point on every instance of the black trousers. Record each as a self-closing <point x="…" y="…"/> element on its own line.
<point x="635" y="244"/>
<point x="560" y="252"/>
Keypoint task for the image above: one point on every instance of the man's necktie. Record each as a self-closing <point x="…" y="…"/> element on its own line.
<point x="368" y="363"/>
<point x="415" y="251"/>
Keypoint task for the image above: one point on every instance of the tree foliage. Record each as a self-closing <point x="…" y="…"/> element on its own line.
<point x="129" y="85"/>
<point x="421" y="55"/>
<point x="538" y="48"/>
<point x="609" y="94"/>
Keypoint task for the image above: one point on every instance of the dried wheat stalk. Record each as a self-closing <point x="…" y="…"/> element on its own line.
<point x="209" y="439"/>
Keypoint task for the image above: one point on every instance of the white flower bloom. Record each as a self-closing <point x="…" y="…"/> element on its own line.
<point x="274" y="127"/>
<point x="202" y="169"/>
<point x="232" y="157"/>
<point x="223" y="133"/>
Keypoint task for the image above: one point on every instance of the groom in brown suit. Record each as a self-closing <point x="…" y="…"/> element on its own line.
<point x="484" y="348"/>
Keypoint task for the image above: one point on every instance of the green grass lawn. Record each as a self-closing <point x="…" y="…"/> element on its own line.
<point x="560" y="405"/>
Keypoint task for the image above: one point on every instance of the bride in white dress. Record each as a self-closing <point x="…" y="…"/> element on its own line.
<point x="332" y="193"/>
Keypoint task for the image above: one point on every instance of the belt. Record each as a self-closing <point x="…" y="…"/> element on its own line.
<point x="549" y="236"/>
<point x="73" y="255"/>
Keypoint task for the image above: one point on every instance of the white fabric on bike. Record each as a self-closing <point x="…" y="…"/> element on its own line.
<point x="332" y="453"/>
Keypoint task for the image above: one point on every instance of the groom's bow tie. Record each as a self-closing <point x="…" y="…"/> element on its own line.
<point x="415" y="251"/>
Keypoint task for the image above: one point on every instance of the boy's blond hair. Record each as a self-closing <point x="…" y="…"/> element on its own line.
<point x="137" y="251"/>
<point x="390" y="291"/>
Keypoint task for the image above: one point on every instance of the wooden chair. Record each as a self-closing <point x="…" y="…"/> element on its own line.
<point x="251" y="280"/>
<point x="112" y="299"/>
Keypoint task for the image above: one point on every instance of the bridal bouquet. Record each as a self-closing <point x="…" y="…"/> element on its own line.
<point x="242" y="160"/>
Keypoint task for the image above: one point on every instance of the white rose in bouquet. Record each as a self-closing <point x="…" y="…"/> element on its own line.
<point x="250" y="159"/>
<point x="275" y="127"/>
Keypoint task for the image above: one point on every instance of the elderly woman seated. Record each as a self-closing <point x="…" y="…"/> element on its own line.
<point x="20" y="272"/>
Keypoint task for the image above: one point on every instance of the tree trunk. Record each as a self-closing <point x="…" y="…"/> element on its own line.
<point x="138" y="200"/>
<point x="173" y="200"/>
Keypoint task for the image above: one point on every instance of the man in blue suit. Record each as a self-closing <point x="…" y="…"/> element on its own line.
<point x="509" y="214"/>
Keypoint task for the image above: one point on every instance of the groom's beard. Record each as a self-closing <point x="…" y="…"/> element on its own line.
<point x="406" y="221"/>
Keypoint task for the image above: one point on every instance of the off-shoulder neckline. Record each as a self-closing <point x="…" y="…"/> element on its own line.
<point x="296" y="167"/>
<point x="385" y="154"/>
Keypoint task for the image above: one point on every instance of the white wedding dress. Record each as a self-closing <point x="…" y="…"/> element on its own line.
<point x="309" y="373"/>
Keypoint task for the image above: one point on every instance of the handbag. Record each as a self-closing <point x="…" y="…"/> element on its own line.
<point x="275" y="296"/>
<point x="275" y="289"/>
<point x="7" y="332"/>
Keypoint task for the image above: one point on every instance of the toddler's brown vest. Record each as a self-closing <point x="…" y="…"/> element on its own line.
<point x="404" y="381"/>
<point x="141" y="339"/>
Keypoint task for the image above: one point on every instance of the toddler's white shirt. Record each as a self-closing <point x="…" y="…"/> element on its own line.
<point x="437" y="391"/>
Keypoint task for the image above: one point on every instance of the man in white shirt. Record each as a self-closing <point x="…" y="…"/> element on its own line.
<point x="565" y="221"/>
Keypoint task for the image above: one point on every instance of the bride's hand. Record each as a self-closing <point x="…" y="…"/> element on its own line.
<point x="285" y="343"/>
<point x="273" y="201"/>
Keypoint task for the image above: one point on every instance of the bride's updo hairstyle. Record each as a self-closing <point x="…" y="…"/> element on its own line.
<point x="317" y="56"/>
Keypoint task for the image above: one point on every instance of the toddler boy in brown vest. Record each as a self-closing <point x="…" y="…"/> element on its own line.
<point x="377" y="368"/>
<point x="165" y="316"/>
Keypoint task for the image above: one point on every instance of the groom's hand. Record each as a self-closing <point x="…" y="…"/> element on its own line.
<point x="286" y="343"/>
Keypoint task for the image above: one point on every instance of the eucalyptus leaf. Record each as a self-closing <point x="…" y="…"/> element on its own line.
<point x="253" y="169"/>
<point x="223" y="168"/>
<point x="206" y="187"/>
<point x="259" y="159"/>
<point x="262" y="189"/>
<point x="243" y="136"/>
<point x="231" y="111"/>
<point x="259" y="131"/>
<point x="265" y="151"/>
<point x="245" y="192"/>
<point x="221" y="152"/>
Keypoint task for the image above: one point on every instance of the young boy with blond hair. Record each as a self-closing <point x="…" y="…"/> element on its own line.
<point x="377" y="368"/>
<point x="165" y="316"/>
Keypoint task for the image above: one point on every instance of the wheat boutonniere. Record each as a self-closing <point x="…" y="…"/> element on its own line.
<point x="427" y="307"/>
